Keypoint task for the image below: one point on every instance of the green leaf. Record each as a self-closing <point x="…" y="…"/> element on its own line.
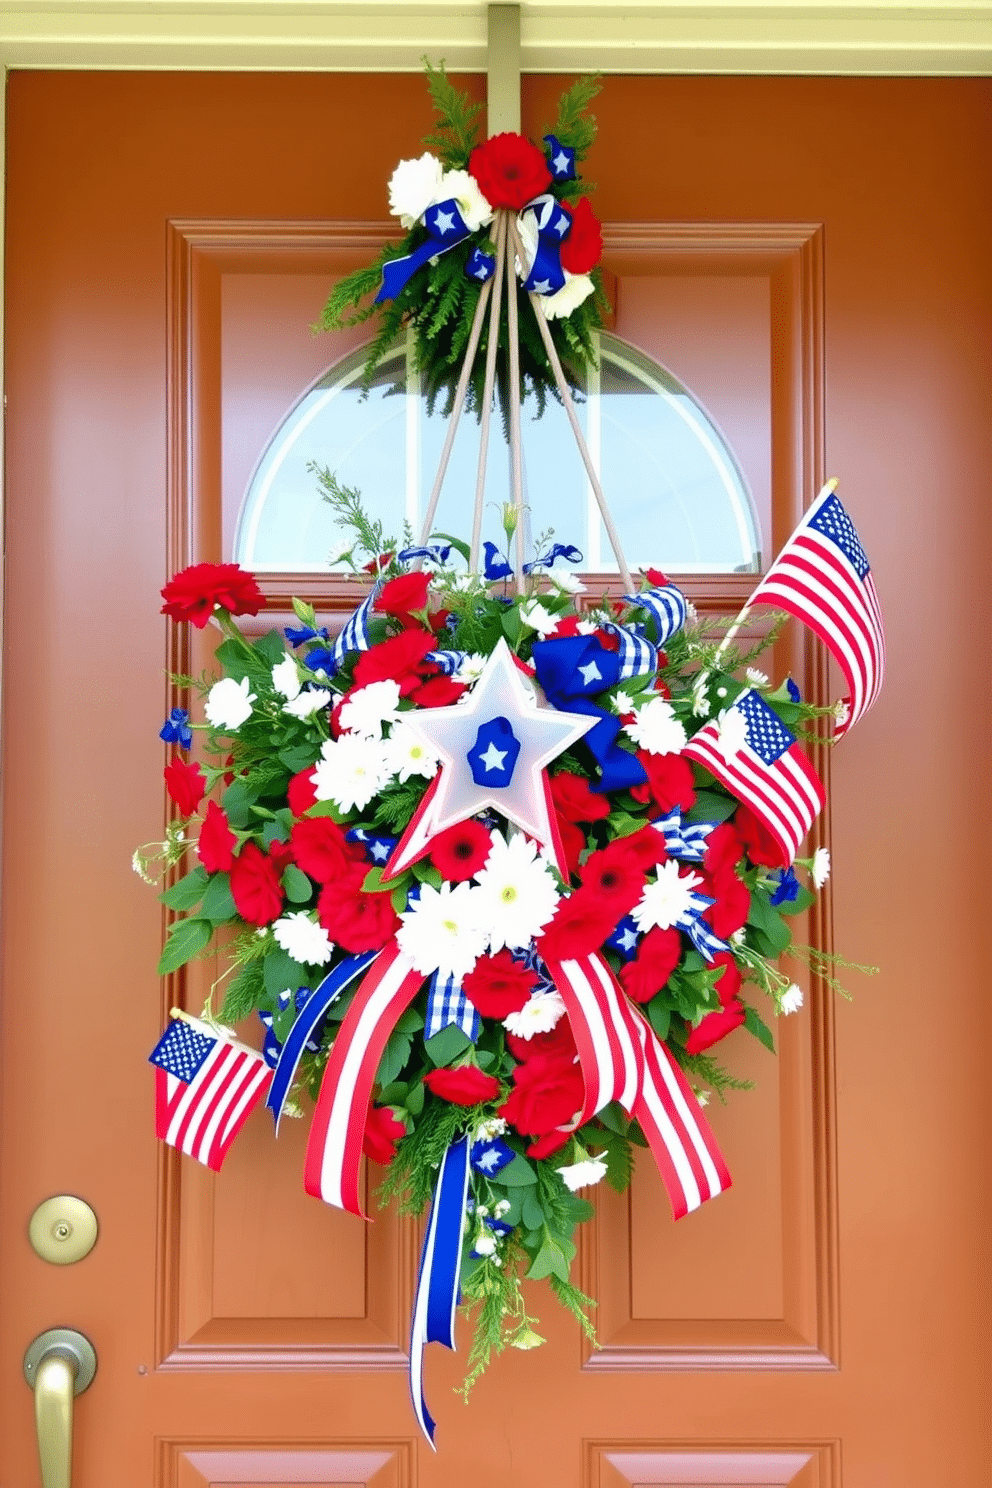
<point x="398" y="899"/>
<point x="755" y="1024"/>
<point x="659" y="1016"/>
<point x="800" y="904"/>
<point x="766" y="918"/>
<point x="282" y="973"/>
<point x="188" y="891"/>
<point x="296" y="884"/>
<point x="415" y="1099"/>
<point x="409" y="1021"/>
<point x="532" y="1214"/>
<point x="619" y="1165"/>
<point x="373" y="884"/>
<point x="512" y="626"/>
<point x="271" y="647"/>
<point x="394" y="1057"/>
<point x="237" y="801"/>
<point x="425" y="872"/>
<point x="553" y="1259"/>
<point x="186" y="939"/>
<point x="305" y="613"/>
<point x="297" y="757"/>
<point x="218" y="904"/>
<point x="326" y="808"/>
<point x="456" y="542"/>
<point x="614" y="1118"/>
<point x="516" y="1174"/>
<point x="447" y="1044"/>
<point x="712" y="806"/>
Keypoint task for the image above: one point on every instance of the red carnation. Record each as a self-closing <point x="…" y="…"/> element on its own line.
<point x="466" y="1086"/>
<point x="655" y="577"/>
<point x="761" y="845"/>
<point x="576" y="800"/>
<point x="714" y="1027"/>
<point x="614" y="874"/>
<point x="186" y="785"/>
<point x="559" y="1041"/>
<point x="548" y="1092"/>
<point x="438" y="692"/>
<point x="400" y="596"/>
<point x="733" y="902"/>
<point x="215" y="848"/>
<point x="580" y="925"/>
<point x="320" y="849"/>
<point x="395" y="660"/>
<point x="255" y="886"/>
<point x="573" y="843"/>
<point x="509" y="170"/>
<point x="669" y="783"/>
<point x="729" y="982"/>
<point x="355" y="920"/>
<point x="196" y="592"/>
<point x="649" y="847"/>
<point x="460" y="851"/>
<point x="498" y="985"/>
<point x="657" y="957"/>
<point x="382" y="1132"/>
<point x="301" y="792"/>
<point x="583" y="248"/>
<point x="552" y="1141"/>
<point x="724" y="849"/>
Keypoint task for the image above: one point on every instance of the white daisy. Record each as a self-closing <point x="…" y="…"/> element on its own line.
<point x="667" y="898"/>
<point x="517" y="890"/>
<point x="470" y="669"/>
<point x="303" y="939"/>
<point x="565" y="581"/>
<point x="755" y="677"/>
<point x="309" y="702"/>
<point x="350" y="772"/>
<point x="621" y="702"/>
<point x="228" y="704"/>
<point x="286" y="677"/>
<point x="540" y="1013"/>
<point x="340" y="551"/>
<point x="577" y="287"/>
<point x="413" y="186"/>
<point x="656" y="728"/>
<point x="445" y="931"/>
<point x="581" y="1174"/>
<point x="366" y="709"/>
<point x="471" y="203"/>
<point x="820" y="867"/>
<point x="733" y="732"/>
<point x="792" y="999"/>
<point x="534" y="615"/>
<point x="700" y="699"/>
<point x="407" y="754"/>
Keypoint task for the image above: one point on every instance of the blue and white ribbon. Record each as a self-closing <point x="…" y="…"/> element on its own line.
<point x="568" y="551"/>
<point x="494" y="565"/>
<point x="430" y="553"/>
<point x="447" y="662"/>
<point x="378" y="847"/>
<point x="480" y="266"/>
<point x="685" y="840"/>
<point x="554" y="223"/>
<point x="447" y="1004"/>
<point x="446" y="228"/>
<point x="707" y="944"/>
<point x="667" y="607"/>
<point x="440" y="1266"/>
<point x="637" y="655"/>
<point x="307" y="1021"/>
<point x="354" y="636"/>
<point x="572" y="670"/>
<point x="561" y="159"/>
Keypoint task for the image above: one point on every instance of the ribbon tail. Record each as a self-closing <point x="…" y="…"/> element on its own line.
<point x="334" y="1149"/>
<point x="610" y="1054"/>
<point x="307" y="1021"/>
<point x="440" y="1268"/>
<point x="416" y="840"/>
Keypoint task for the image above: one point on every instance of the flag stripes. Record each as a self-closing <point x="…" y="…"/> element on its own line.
<point x="206" y="1086"/>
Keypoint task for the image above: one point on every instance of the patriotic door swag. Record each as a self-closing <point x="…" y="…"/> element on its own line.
<point x="498" y="866"/>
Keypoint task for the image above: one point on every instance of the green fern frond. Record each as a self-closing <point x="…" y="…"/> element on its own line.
<point x="575" y="127"/>
<point x="456" y="132"/>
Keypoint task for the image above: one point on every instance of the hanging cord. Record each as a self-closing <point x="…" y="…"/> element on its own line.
<point x="516" y="446"/>
<point x="500" y="238"/>
<point x="566" y="398"/>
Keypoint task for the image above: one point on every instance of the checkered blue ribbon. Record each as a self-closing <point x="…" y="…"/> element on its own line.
<point x="637" y="655"/>
<point x="447" y="1004"/>
<point x="667" y="607"/>
<point x="685" y="840"/>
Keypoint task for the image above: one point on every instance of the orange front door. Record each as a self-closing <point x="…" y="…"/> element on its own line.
<point x="813" y="258"/>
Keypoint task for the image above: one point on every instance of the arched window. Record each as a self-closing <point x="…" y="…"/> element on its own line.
<point x="674" y="487"/>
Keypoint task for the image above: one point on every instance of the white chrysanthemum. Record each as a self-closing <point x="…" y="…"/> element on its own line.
<point x="303" y="939"/>
<point x="733" y="732"/>
<point x="342" y="550"/>
<point x="565" y="581"/>
<point x="700" y="698"/>
<point x="286" y="677"/>
<point x="309" y="702"/>
<point x="228" y="704"/>
<point x="517" y="890"/>
<point x="493" y="1126"/>
<point x="473" y="206"/>
<point x="656" y="728"/>
<point x="534" y="615"/>
<point x="407" y="754"/>
<point x="582" y="1174"/>
<point x="413" y="186"/>
<point x="755" y="677"/>
<point x="350" y="772"/>
<point x="667" y="898"/>
<point x="471" y="668"/>
<point x="367" y="708"/>
<point x="792" y="999"/>
<point x="621" y="702"/>
<point x="445" y="931"/>
<point x="576" y="289"/>
<point x="540" y="1013"/>
<point x="820" y="867"/>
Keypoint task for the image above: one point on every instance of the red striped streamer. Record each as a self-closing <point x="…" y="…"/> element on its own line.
<point x="609" y="1052"/>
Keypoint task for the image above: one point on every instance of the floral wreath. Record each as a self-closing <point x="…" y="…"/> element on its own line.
<point x="497" y="866"/>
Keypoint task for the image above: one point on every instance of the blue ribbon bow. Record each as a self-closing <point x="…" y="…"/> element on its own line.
<point x="571" y="669"/>
<point x="446" y="228"/>
<point x="480" y="266"/>
<point x="561" y="159"/>
<point x="554" y="223"/>
<point x="567" y="551"/>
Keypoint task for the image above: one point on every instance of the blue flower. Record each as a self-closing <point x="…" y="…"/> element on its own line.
<point x="296" y="636"/>
<point x="788" y="887"/>
<point x="496" y="566"/>
<point x="321" y="659"/>
<point x="176" y="729"/>
<point x="794" y="692"/>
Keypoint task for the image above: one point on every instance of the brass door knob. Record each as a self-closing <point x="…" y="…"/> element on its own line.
<point x="58" y="1365"/>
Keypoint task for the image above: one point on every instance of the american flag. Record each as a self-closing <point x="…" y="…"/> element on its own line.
<point x="752" y="752"/>
<point x="822" y="576"/>
<point x="206" y="1087"/>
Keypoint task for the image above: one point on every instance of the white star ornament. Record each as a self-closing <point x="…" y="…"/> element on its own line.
<point x="543" y="733"/>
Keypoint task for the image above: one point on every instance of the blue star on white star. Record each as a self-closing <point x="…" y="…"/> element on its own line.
<point x="493" y="758"/>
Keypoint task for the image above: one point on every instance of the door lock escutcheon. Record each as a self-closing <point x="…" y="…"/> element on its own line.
<point x="63" y="1230"/>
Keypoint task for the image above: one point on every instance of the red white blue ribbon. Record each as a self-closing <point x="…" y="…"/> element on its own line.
<point x="438" y="1292"/>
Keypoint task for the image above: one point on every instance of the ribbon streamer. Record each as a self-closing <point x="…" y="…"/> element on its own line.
<point x="610" y="1057"/>
<point x="440" y="1266"/>
<point x="446" y="228"/>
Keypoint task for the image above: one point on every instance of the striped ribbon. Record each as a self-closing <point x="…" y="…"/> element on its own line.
<point x="610" y="1058"/>
<point x="355" y="633"/>
<point x="447" y="662"/>
<point x="667" y="607"/>
<point x="637" y="655"/>
<point x="440" y="1267"/>
<point x="684" y="840"/>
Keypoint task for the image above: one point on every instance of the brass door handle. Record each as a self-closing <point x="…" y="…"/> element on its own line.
<point x="59" y="1365"/>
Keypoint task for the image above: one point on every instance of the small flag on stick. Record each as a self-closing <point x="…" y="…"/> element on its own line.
<point x="206" y="1086"/>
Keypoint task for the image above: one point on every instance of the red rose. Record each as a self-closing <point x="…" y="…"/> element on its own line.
<point x="466" y="1086"/>
<point x="657" y="957"/>
<point x="548" y="1091"/>
<point x="382" y="1132"/>
<point x="460" y="851"/>
<point x="357" y="921"/>
<point x="729" y="982"/>
<point x="572" y="842"/>
<point x="614" y="874"/>
<point x="255" y="886"/>
<point x="438" y="692"/>
<point x="400" y="596"/>
<point x="195" y="593"/>
<point x="759" y="842"/>
<point x="580" y="925"/>
<point x="669" y="783"/>
<point x="550" y="1142"/>
<point x="714" y="1027"/>
<point x="733" y="902"/>
<point x="559" y="1041"/>
<point x="186" y="785"/>
<point x="319" y="848"/>
<point x="301" y="792"/>
<point x="498" y="985"/>
<point x="724" y="849"/>
<point x="576" y="800"/>
<point x="583" y="248"/>
<point x="509" y="170"/>
<point x="215" y="848"/>
<point x="395" y="660"/>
